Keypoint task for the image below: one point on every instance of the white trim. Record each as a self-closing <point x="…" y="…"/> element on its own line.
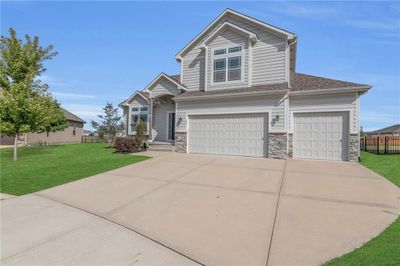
<point x="125" y="103"/>
<point x="287" y="64"/>
<point x="349" y="114"/>
<point x="251" y="35"/>
<point x="333" y="90"/>
<point x="215" y="21"/>
<point x="182" y="64"/>
<point x="266" y="112"/>
<point x="250" y="66"/>
<point x="205" y="70"/>
<point x="228" y="96"/>
<point x="322" y="110"/>
<point x="226" y="56"/>
<point x="147" y="89"/>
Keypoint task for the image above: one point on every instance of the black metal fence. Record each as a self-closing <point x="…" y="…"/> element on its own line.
<point x="92" y="139"/>
<point x="381" y="144"/>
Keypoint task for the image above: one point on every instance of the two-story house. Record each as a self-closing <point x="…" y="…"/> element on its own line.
<point x="238" y="94"/>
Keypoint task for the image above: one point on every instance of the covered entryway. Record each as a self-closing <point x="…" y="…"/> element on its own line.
<point x="230" y="134"/>
<point x="321" y="136"/>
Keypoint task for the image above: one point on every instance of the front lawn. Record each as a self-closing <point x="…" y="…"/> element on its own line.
<point x="385" y="165"/>
<point x="385" y="248"/>
<point x="42" y="167"/>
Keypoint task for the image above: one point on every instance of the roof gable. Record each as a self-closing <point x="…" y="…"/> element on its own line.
<point x="165" y="76"/>
<point x="230" y="12"/>
<point x="227" y="25"/>
<point x="141" y="94"/>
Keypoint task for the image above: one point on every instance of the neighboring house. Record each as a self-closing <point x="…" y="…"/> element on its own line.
<point x="72" y="134"/>
<point x="238" y="94"/>
<point x="387" y="131"/>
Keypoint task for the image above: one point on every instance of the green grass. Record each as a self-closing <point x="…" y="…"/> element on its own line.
<point x="385" y="248"/>
<point x="42" y="167"/>
<point x="385" y="165"/>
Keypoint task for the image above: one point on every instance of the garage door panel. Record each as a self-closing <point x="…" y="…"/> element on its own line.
<point x="231" y="134"/>
<point x="320" y="135"/>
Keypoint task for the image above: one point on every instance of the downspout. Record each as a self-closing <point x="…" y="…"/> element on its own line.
<point x="289" y="77"/>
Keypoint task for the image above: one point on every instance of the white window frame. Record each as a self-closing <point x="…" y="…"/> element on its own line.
<point x="138" y="112"/>
<point x="226" y="56"/>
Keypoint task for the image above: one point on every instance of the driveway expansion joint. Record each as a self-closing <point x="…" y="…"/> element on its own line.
<point x="282" y="184"/>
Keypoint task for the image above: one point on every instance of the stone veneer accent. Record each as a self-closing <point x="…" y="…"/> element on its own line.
<point x="277" y="145"/>
<point x="353" y="147"/>
<point x="180" y="141"/>
<point x="290" y="140"/>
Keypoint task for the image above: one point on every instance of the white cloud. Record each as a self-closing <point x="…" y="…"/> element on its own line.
<point x="388" y="24"/>
<point x="45" y="78"/>
<point x="65" y="95"/>
<point x="84" y="110"/>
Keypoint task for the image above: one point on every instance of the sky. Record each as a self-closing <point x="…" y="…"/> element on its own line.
<point x="108" y="49"/>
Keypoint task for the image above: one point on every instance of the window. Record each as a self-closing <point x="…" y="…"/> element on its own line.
<point x="219" y="70"/>
<point x="138" y="114"/>
<point x="234" y="71"/>
<point x="227" y="66"/>
<point x="74" y="131"/>
<point x="220" y="51"/>
<point x="235" y="49"/>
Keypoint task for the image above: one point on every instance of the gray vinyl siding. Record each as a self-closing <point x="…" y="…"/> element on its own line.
<point x="160" y="115"/>
<point x="228" y="38"/>
<point x="194" y="69"/>
<point x="268" y="57"/>
<point x="327" y="103"/>
<point x="260" y="104"/>
<point x="164" y="86"/>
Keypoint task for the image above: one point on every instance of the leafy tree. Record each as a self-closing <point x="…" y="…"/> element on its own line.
<point x="140" y="131"/>
<point x="21" y="63"/>
<point x="52" y="116"/>
<point x="110" y="124"/>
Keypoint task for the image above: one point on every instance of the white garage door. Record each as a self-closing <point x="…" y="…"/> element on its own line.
<point x="320" y="135"/>
<point x="231" y="134"/>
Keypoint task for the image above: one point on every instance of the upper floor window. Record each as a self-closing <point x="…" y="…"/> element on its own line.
<point x="139" y="114"/>
<point x="227" y="64"/>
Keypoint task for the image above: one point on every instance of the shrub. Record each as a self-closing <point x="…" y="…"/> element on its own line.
<point x="140" y="131"/>
<point x="124" y="144"/>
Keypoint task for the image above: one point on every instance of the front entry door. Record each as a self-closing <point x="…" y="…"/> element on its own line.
<point x="171" y="126"/>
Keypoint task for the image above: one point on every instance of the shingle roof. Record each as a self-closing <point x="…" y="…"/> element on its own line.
<point x="176" y="77"/>
<point x="299" y="82"/>
<point x="261" y="88"/>
<point x="391" y="129"/>
<point x="71" y="117"/>
<point x="304" y="82"/>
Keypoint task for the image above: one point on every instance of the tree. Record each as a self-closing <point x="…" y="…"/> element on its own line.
<point x="110" y="124"/>
<point x="20" y="102"/>
<point x="140" y="130"/>
<point x="52" y="116"/>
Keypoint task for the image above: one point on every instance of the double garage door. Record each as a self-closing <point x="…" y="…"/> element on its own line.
<point x="315" y="135"/>
<point x="230" y="134"/>
<point x="321" y="136"/>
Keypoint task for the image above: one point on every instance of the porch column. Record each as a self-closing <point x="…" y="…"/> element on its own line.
<point x="151" y="119"/>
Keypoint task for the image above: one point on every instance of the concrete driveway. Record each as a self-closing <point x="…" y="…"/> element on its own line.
<point x="180" y="209"/>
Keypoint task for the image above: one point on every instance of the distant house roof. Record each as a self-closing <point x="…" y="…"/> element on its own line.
<point x="299" y="83"/>
<point x="387" y="130"/>
<point x="71" y="117"/>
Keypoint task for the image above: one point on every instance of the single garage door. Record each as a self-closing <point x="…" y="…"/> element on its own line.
<point x="321" y="135"/>
<point x="230" y="134"/>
